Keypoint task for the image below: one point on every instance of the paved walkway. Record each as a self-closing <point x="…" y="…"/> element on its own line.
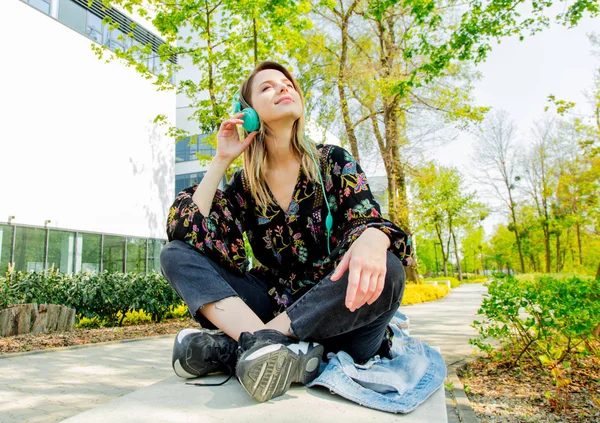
<point x="54" y="385"/>
<point x="446" y="323"/>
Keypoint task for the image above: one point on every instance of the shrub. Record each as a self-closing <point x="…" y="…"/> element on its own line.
<point x="548" y="319"/>
<point x="135" y="317"/>
<point x="89" y="323"/>
<point x="180" y="311"/>
<point x="417" y="293"/>
<point x="104" y="299"/>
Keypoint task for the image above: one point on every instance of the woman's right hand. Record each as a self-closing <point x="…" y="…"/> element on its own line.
<point x="229" y="146"/>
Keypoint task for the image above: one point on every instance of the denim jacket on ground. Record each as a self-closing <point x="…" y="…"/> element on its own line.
<point x="397" y="385"/>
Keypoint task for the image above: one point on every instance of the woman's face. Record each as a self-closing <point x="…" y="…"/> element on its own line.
<point x="274" y="98"/>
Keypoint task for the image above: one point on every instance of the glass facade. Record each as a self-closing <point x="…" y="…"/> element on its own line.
<point x="6" y="239"/>
<point x="113" y="253"/>
<point x="154" y="248"/>
<point x="186" y="153"/>
<point x="61" y="251"/>
<point x="43" y="5"/>
<point x="89" y="22"/>
<point x="89" y="253"/>
<point x="136" y="255"/>
<point x="36" y="249"/>
<point x="187" y="180"/>
<point x="30" y="249"/>
<point x="72" y="15"/>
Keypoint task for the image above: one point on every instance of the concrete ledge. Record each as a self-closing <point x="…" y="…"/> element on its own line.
<point x="76" y="347"/>
<point x="462" y="405"/>
<point x="171" y="400"/>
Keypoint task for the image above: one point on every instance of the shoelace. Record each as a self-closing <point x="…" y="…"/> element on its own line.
<point x="215" y="351"/>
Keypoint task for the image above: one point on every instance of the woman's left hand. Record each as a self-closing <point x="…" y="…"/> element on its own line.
<point x="367" y="260"/>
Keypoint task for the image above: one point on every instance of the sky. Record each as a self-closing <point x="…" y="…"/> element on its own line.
<point x="518" y="76"/>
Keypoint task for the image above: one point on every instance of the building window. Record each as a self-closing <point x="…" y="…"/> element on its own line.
<point x="89" y="252"/>
<point x="72" y="15"/>
<point x="113" y="253"/>
<point x="94" y="28"/>
<point x="6" y="238"/>
<point x="75" y="252"/>
<point x="30" y="247"/>
<point x="154" y="248"/>
<point x="43" y="5"/>
<point x="88" y="20"/>
<point x="187" y="180"/>
<point x="186" y="153"/>
<point x="136" y="255"/>
<point x="61" y="251"/>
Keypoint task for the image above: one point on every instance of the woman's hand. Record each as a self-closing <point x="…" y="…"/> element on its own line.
<point x="367" y="260"/>
<point x="229" y="146"/>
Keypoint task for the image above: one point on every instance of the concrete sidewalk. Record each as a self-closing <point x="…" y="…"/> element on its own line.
<point x="54" y="385"/>
<point x="446" y="323"/>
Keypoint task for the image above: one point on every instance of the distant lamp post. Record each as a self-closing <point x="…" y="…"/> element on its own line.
<point x="10" y="219"/>
<point x="46" y="222"/>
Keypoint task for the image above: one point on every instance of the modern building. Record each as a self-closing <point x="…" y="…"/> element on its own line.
<point x="87" y="177"/>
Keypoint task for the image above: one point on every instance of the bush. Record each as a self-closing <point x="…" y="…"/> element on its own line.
<point x="180" y="311"/>
<point x="89" y="323"/>
<point x="417" y="293"/>
<point x="545" y="318"/>
<point x="100" y="300"/>
<point x="560" y="276"/>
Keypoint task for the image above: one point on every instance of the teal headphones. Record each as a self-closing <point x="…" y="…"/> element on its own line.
<point x="252" y="123"/>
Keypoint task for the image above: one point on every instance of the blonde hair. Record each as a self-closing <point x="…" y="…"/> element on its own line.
<point x="255" y="155"/>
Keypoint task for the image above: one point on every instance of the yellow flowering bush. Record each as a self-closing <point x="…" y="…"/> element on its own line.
<point x="418" y="293"/>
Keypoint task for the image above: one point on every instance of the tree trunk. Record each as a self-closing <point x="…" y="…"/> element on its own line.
<point x="438" y="231"/>
<point x="547" y="246"/>
<point x="513" y="214"/>
<point x="460" y="278"/>
<point x="579" y="243"/>
<point x="557" y="253"/>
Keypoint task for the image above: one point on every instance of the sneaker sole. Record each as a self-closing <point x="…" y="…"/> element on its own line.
<point x="268" y="372"/>
<point x="179" y="354"/>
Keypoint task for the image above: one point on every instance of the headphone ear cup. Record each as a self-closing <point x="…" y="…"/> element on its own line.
<point x="251" y="120"/>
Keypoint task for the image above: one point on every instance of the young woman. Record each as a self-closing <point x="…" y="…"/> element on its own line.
<point x="313" y="290"/>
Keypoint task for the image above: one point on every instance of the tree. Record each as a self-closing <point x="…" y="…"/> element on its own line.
<point x="445" y="207"/>
<point x="540" y="174"/>
<point x="496" y="151"/>
<point x="221" y="38"/>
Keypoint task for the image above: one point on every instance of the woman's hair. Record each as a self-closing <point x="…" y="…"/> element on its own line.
<point x="256" y="154"/>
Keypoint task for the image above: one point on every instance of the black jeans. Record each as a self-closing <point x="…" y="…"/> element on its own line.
<point x="319" y="315"/>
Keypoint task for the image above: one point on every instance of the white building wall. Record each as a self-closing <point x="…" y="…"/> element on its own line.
<point x="77" y="142"/>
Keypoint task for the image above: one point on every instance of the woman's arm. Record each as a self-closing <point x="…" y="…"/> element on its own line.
<point x="363" y="235"/>
<point x="354" y="208"/>
<point x="216" y="232"/>
<point x="203" y="197"/>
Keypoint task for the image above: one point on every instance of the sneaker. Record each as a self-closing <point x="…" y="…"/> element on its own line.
<point x="269" y="362"/>
<point x="198" y="352"/>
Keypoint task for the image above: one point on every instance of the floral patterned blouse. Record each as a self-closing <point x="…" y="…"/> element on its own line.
<point x="290" y="246"/>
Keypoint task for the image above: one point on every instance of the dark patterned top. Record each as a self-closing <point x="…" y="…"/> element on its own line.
<point x="290" y="246"/>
